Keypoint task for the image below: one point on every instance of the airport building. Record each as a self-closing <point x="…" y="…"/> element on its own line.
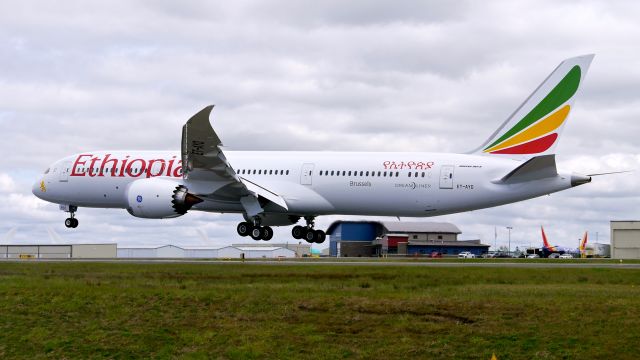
<point x="302" y="249"/>
<point x="372" y="238"/>
<point x="227" y="252"/>
<point x="625" y="239"/>
<point x="58" y="251"/>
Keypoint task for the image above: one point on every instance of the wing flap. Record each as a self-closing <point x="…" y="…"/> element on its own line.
<point x="265" y="193"/>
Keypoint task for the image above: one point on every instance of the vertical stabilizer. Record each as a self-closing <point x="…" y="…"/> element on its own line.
<point x="545" y="243"/>
<point x="534" y="128"/>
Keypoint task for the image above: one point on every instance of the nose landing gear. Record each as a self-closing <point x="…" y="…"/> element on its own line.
<point x="71" y="221"/>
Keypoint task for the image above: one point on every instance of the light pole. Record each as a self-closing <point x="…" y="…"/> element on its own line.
<point x="509" y="229"/>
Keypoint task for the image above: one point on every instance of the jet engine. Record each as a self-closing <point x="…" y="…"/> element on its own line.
<point x="156" y="198"/>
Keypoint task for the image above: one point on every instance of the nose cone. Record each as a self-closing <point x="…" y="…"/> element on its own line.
<point x="39" y="189"/>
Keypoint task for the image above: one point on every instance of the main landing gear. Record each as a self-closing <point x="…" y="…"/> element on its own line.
<point x="256" y="231"/>
<point x="71" y="221"/>
<point x="308" y="232"/>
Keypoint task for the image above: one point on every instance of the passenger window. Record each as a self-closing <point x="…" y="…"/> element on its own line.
<point x="270" y="172"/>
<point x="349" y="173"/>
<point x="332" y="173"/>
<point x="47" y="171"/>
<point x="287" y="172"/>
<point x="423" y="174"/>
<point x="409" y="174"/>
<point x="361" y="172"/>
<point x="397" y="173"/>
<point x="344" y="173"/>
<point x="378" y="173"/>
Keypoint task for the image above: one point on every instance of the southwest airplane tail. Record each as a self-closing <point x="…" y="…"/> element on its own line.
<point x="583" y="245"/>
<point x="545" y="243"/>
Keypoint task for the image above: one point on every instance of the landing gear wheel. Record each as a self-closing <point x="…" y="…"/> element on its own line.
<point x="310" y="236"/>
<point x="268" y="233"/>
<point x="298" y="232"/>
<point x="75" y="223"/>
<point x="244" y="229"/>
<point x="257" y="233"/>
<point x="69" y="222"/>
<point x="320" y="236"/>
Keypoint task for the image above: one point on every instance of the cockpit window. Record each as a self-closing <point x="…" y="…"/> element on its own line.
<point x="47" y="171"/>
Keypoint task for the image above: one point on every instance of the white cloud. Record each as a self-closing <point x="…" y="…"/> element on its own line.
<point x="6" y="183"/>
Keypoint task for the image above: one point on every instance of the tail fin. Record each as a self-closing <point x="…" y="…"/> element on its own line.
<point x="583" y="243"/>
<point x="545" y="243"/>
<point x="533" y="129"/>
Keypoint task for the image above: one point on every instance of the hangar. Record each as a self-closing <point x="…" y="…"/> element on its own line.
<point x="57" y="251"/>
<point x="301" y="249"/>
<point x="231" y="252"/>
<point x="625" y="239"/>
<point x="373" y="238"/>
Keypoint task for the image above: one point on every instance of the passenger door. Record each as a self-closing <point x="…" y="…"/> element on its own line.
<point x="306" y="175"/>
<point x="64" y="171"/>
<point x="446" y="177"/>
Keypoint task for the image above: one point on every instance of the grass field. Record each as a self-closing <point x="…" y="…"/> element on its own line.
<point x="251" y="311"/>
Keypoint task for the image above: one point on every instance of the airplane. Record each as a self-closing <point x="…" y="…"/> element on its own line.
<point x="552" y="249"/>
<point x="279" y="188"/>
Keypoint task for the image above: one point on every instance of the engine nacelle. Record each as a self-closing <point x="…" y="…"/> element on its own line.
<point x="157" y="198"/>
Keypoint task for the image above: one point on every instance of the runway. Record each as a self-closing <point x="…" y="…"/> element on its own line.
<point x="374" y="262"/>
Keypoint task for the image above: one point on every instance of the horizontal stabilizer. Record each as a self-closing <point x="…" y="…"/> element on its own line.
<point x="536" y="168"/>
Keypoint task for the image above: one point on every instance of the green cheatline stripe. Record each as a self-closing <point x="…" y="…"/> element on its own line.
<point x="556" y="97"/>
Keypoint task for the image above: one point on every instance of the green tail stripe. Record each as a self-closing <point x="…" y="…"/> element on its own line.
<point x="556" y="97"/>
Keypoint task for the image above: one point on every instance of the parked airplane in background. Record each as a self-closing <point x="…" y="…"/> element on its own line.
<point x="271" y="188"/>
<point x="548" y="249"/>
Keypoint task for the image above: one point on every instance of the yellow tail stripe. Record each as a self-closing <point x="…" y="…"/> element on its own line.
<point x="544" y="126"/>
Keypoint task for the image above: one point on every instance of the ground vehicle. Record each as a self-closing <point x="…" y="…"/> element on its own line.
<point x="533" y="256"/>
<point x="566" y="256"/>
<point x="435" y="254"/>
<point x="466" y="255"/>
<point x="501" y="255"/>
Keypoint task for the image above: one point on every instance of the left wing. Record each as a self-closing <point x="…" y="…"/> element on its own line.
<point x="203" y="160"/>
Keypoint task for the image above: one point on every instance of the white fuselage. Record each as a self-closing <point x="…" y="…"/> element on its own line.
<point x="311" y="183"/>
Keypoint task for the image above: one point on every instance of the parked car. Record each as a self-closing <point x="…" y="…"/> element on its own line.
<point x="435" y="254"/>
<point x="554" y="256"/>
<point x="501" y="255"/>
<point x="466" y="255"/>
<point x="533" y="256"/>
<point x="566" y="256"/>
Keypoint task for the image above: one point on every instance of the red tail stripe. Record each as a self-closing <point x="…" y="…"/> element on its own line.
<point x="531" y="147"/>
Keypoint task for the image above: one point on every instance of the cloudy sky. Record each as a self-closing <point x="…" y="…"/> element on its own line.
<point x="319" y="75"/>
